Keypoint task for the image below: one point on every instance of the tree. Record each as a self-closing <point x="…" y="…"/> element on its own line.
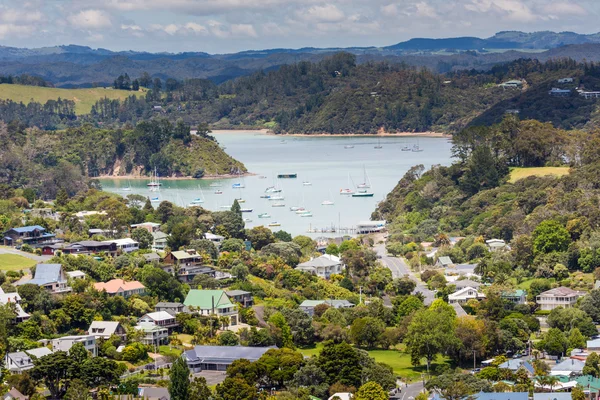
<point x="260" y="236"/>
<point x="370" y="391"/>
<point x="281" y="330"/>
<point x="199" y="390"/>
<point x="481" y="171"/>
<point x="77" y="391"/>
<point x="54" y="370"/>
<point x="179" y="380"/>
<point x="567" y="318"/>
<point x="206" y="246"/>
<point x="283" y="236"/>
<point x="233" y="245"/>
<point x="340" y="363"/>
<point x="591" y="305"/>
<point x="143" y="237"/>
<point x="235" y="389"/>
<point x="289" y="252"/>
<point x="403" y="286"/>
<point x="555" y="343"/>
<point x="577" y="393"/>
<point x="332" y="249"/>
<point x="576" y="339"/>
<point x="240" y="271"/>
<point x="430" y="332"/>
<point x="592" y="365"/>
<point x="550" y="236"/>
<point x="366" y="331"/>
<point x="278" y="366"/>
<point x="228" y="338"/>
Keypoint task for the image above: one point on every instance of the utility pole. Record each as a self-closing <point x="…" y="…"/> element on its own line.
<point x="360" y="295"/>
<point x="474" y="362"/>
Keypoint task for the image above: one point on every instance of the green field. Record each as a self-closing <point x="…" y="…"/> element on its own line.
<point x="84" y="98"/>
<point x="520" y="173"/>
<point x="399" y="361"/>
<point x="14" y="262"/>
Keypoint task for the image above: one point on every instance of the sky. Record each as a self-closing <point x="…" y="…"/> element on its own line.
<point x="224" y="26"/>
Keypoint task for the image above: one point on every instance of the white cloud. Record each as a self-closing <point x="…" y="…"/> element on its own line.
<point x="390" y="10"/>
<point x="324" y="13"/>
<point x="90" y="19"/>
<point x="513" y="10"/>
<point x="564" y="8"/>
<point x="9" y="30"/>
<point x="425" y="10"/>
<point x="13" y="16"/>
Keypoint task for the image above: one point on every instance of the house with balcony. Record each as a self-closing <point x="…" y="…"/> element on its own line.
<point x="66" y="342"/>
<point x="86" y="247"/>
<point x="308" y="306"/>
<point x="518" y="296"/>
<point x="106" y="329"/>
<point x="159" y="241"/>
<point x="154" y="335"/>
<point x="463" y="295"/>
<point x="558" y="297"/>
<point x="149" y="226"/>
<point x="51" y="277"/>
<point x="216" y="239"/>
<point x="323" y="266"/>
<point x="241" y="296"/>
<point x="127" y="245"/>
<point x="159" y="318"/>
<point x="33" y="235"/>
<point x="171" y="308"/>
<point x="212" y="302"/>
<point x="218" y="358"/>
<point x="120" y="287"/>
<point x="183" y="258"/>
<point x="20" y="361"/>
<point x="14" y="298"/>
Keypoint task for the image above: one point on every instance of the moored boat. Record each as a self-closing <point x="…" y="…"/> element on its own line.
<point x="264" y="215"/>
<point x="278" y="205"/>
<point x="275" y="223"/>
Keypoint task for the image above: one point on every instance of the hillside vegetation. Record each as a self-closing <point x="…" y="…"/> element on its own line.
<point x="84" y="99"/>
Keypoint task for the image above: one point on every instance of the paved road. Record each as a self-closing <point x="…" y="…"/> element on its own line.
<point x="9" y="250"/>
<point x="411" y="392"/>
<point x="400" y="269"/>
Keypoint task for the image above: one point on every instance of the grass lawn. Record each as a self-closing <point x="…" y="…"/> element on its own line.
<point x="399" y="361"/>
<point x="14" y="262"/>
<point x="520" y="173"/>
<point x="169" y="351"/>
<point x="84" y="98"/>
<point x="185" y="338"/>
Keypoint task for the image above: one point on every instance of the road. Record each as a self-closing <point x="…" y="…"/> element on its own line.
<point x="410" y="392"/>
<point x="400" y="269"/>
<point x="10" y="250"/>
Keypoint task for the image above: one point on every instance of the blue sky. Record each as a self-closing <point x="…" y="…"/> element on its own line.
<point x="221" y="26"/>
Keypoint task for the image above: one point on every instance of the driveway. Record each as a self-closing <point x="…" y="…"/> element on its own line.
<point x="400" y="269"/>
<point x="10" y="250"/>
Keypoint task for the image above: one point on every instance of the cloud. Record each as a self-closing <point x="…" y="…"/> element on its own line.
<point x="195" y="7"/>
<point x="20" y="17"/>
<point x="563" y="8"/>
<point x="8" y="30"/>
<point x="325" y="13"/>
<point x="514" y="10"/>
<point x="425" y="10"/>
<point x="90" y="19"/>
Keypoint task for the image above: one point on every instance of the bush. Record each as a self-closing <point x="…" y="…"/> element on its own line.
<point x="27" y="248"/>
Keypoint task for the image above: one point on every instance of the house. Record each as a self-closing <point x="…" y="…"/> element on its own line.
<point x="187" y="274"/>
<point x="154" y="393"/>
<point x="463" y="295"/>
<point x="556" y="92"/>
<point x="218" y="358"/>
<point x="364" y="227"/>
<point x="558" y="297"/>
<point x="308" y="306"/>
<point x="105" y="329"/>
<point x="171" y="308"/>
<point x="216" y="239"/>
<point x="323" y="266"/>
<point x="33" y="235"/>
<point x="14" y="394"/>
<point x="464" y="283"/>
<point x="568" y="367"/>
<point x="14" y="298"/>
<point x="154" y="335"/>
<point x="518" y="296"/>
<point x="82" y="215"/>
<point x="496" y="244"/>
<point x="187" y="258"/>
<point x="511" y="84"/>
<point x="212" y="302"/>
<point x="86" y="247"/>
<point x="444" y="262"/>
<point x="66" y="342"/>
<point x="75" y="275"/>
<point x="500" y="396"/>
<point x="51" y="277"/>
<point x="151" y="257"/>
<point x="516" y="364"/>
<point x="149" y="226"/>
<point x="593" y="345"/>
<point x="565" y="80"/>
<point x="589" y="95"/>
<point x="341" y="396"/>
<point x="20" y="361"/>
<point x="159" y="318"/>
<point x="126" y="245"/>
<point x="552" y="396"/>
<point x="119" y="287"/>
<point x="159" y="241"/>
<point x="241" y="296"/>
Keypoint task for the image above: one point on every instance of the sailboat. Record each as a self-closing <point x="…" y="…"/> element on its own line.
<point x="154" y="181"/>
<point x="128" y="188"/>
<point x="347" y="191"/>
<point x="416" y="147"/>
<point x="379" y="146"/>
<point x="198" y="200"/>
<point x="366" y="182"/>
<point x="328" y="202"/>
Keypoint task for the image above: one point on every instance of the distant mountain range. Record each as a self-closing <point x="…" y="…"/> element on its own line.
<point x="72" y="65"/>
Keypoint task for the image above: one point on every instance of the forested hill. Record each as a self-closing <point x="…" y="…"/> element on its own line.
<point x="51" y="160"/>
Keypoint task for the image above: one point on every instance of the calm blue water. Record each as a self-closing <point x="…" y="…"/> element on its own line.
<point x="323" y="161"/>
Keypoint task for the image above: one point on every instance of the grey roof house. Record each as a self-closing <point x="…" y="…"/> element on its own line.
<point x="323" y="266"/>
<point x="308" y="306"/>
<point x="515" y="365"/>
<point x="20" y="361"/>
<point x="51" y="277"/>
<point x="105" y="329"/>
<point x="568" y="367"/>
<point x="444" y="262"/>
<point x="217" y="358"/>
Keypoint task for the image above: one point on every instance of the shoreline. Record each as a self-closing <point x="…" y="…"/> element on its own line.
<point x="380" y="134"/>
<point x="174" y="178"/>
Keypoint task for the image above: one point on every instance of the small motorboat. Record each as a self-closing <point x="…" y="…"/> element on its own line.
<point x="275" y="223"/>
<point x="416" y="149"/>
<point x="154" y="199"/>
<point x="346" y="191"/>
<point x="264" y="215"/>
<point x="238" y="186"/>
<point x="218" y="192"/>
<point x="363" y="194"/>
<point x="241" y="201"/>
<point x="276" y="198"/>
<point x="278" y="205"/>
<point x="265" y="196"/>
<point x="306" y="214"/>
<point x="301" y="210"/>
<point x="348" y="146"/>
<point x="246" y="210"/>
<point x="307" y="183"/>
<point x="405" y="148"/>
<point x="294" y="208"/>
<point x="327" y="203"/>
<point x="247" y="220"/>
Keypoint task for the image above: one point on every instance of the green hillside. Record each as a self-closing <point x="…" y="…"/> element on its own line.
<point x="84" y="98"/>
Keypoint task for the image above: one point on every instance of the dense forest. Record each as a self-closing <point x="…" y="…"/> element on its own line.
<point x="48" y="160"/>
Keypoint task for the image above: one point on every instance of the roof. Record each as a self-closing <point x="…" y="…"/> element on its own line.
<point x="322" y="261"/>
<point x="45" y="274"/>
<point x="166" y="304"/>
<point x="462" y="283"/>
<point x="159" y="235"/>
<point x="108" y="327"/>
<point x="232" y="293"/>
<point x="121" y="241"/>
<point x="515" y="365"/>
<point x="331" y="303"/>
<point x="158" y="315"/>
<point x="595" y="343"/>
<point x="560" y="291"/>
<point x="552" y="396"/>
<point x="515" y="293"/>
<point x="27" y="229"/>
<point x="212" y="236"/>
<point x="152" y="224"/>
<point x="13" y="393"/>
<point x="501" y="396"/>
<point x="224" y="354"/>
<point x="460" y="312"/>
<point x="182" y="255"/>
<point x="569" y="365"/>
<point x="464" y="293"/>
<point x="203" y="299"/>
<point x="150" y="327"/>
<point x="341" y="396"/>
<point x="39" y="352"/>
<point x="151" y="256"/>
<point x="114" y="285"/>
<point x="154" y="393"/>
<point x="445" y="260"/>
<point x="75" y="274"/>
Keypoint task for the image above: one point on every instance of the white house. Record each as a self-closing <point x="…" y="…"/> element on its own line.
<point x="216" y="239"/>
<point x="159" y="241"/>
<point x="105" y="329"/>
<point x="159" y="318"/>
<point x="154" y="335"/>
<point x="496" y="244"/>
<point x="76" y="275"/>
<point x="51" y="277"/>
<point x="444" y="262"/>
<point x="308" y="306"/>
<point x="565" y="80"/>
<point x="126" y="245"/>
<point x="14" y="298"/>
<point x="558" y="297"/>
<point x="20" y="361"/>
<point x="323" y="266"/>
<point x="66" y="342"/>
<point x="463" y="295"/>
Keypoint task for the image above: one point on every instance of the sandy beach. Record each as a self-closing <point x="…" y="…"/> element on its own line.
<point x="174" y="178"/>
<point x="381" y="133"/>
